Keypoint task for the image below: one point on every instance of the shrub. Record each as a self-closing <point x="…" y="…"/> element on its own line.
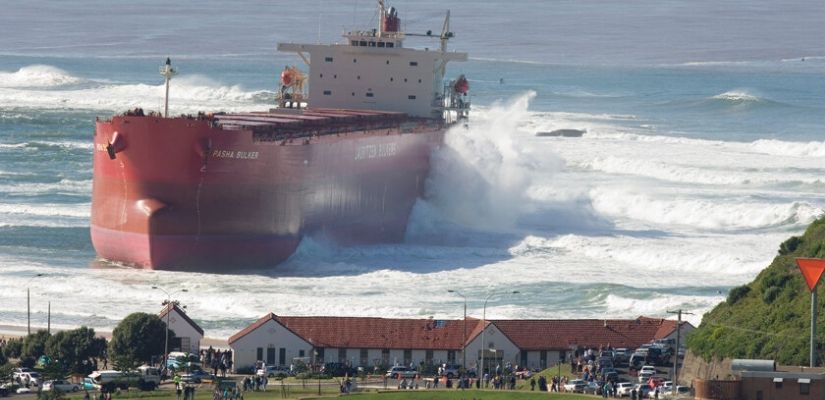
<point x="790" y="245"/>
<point x="770" y="294"/>
<point x="738" y="293"/>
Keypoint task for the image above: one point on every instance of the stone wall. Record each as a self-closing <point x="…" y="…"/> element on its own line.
<point x="695" y="367"/>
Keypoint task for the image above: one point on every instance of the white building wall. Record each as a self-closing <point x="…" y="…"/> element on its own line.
<point x="396" y="357"/>
<point x="533" y="359"/>
<point x="271" y="334"/>
<point x="183" y="329"/>
<point x="494" y="340"/>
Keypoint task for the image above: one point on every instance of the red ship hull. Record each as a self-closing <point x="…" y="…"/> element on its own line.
<point x="191" y="194"/>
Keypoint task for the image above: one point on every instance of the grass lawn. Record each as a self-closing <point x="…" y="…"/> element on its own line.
<point x="464" y="395"/>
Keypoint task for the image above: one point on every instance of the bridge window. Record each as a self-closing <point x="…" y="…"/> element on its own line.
<point x="353" y="42"/>
<point x="372" y="44"/>
<point x="390" y="44"/>
<point x="411" y="97"/>
<point x="328" y="59"/>
<point x="413" y="63"/>
<point x="327" y="92"/>
<point x="363" y="43"/>
<point x="380" y="44"/>
<point x="369" y="94"/>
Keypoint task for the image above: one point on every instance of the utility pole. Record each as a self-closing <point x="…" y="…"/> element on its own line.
<point x="675" y="377"/>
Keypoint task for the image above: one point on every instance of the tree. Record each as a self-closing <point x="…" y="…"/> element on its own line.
<point x="76" y="350"/>
<point x="3" y="358"/>
<point x="34" y="346"/>
<point x="13" y="348"/>
<point x="137" y="338"/>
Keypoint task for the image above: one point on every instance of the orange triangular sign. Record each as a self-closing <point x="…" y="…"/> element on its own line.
<point x="811" y="269"/>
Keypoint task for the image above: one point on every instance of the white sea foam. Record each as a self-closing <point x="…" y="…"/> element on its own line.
<point x="738" y="96"/>
<point x="189" y="93"/>
<point x="630" y="307"/>
<point x="37" y="76"/>
<point x="47" y="210"/>
<point x="714" y="214"/>
<point x="789" y="149"/>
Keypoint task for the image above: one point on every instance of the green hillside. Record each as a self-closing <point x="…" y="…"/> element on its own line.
<point x="768" y="318"/>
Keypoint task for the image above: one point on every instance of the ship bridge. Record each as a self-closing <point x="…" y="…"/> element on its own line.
<point x="372" y="70"/>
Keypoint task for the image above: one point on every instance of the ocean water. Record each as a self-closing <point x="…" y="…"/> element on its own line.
<point x="705" y="149"/>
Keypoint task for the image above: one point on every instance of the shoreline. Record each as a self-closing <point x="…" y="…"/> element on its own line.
<point x="18" y="331"/>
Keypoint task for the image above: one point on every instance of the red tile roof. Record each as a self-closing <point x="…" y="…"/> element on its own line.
<point x="593" y="333"/>
<point x="373" y="333"/>
<point x="186" y="318"/>
<point x="389" y="333"/>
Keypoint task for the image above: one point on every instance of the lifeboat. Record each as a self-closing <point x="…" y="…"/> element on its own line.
<point x="461" y="85"/>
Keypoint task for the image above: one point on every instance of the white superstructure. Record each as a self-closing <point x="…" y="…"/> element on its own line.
<point x="373" y="70"/>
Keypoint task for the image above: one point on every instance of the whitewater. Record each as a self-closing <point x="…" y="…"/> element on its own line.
<point x="695" y="163"/>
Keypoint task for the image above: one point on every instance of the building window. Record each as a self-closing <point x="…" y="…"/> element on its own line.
<point x="320" y="75"/>
<point x="385" y="356"/>
<point x="354" y="60"/>
<point x="270" y="356"/>
<point x="358" y="77"/>
<point x="543" y="359"/>
<point x="301" y="353"/>
<point x="328" y="59"/>
<point x="804" y="388"/>
<point x="335" y="76"/>
<point x="353" y="94"/>
<point x="353" y="42"/>
<point x="428" y="356"/>
<point x="369" y="94"/>
<point x="390" y="44"/>
<point x="380" y="44"/>
<point x="319" y="354"/>
<point x="413" y="63"/>
<point x="388" y="62"/>
<point x="451" y="356"/>
<point x="363" y="43"/>
<point x="372" y="44"/>
<point x="411" y="97"/>
<point x="342" y="355"/>
<point x="759" y="395"/>
<point x="327" y="92"/>
<point x="523" y="357"/>
<point x="777" y="384"/>
<point x="260" y="354"/>
<point x="419" y="81"/>
<point x="405" y="79"/>
<point x="364" y="357"/>
<point x="407" y="356"/>
<point x="282" y="356"/>
<point x="392" y="79"/>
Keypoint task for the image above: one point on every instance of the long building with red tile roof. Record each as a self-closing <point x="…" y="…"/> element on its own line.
<point x="372" y="342"/>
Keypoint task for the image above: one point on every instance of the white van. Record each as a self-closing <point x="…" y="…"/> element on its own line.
<point x="145" y="377"/>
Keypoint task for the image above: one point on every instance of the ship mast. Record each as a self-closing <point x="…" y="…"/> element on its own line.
<point x="167" y="72"/>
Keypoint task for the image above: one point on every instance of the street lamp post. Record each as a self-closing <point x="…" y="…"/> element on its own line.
<point x="28" y="305"/>
<point x="464" y="343"/>
<point x="484" y="328"/>
<point x="169" y="303"/>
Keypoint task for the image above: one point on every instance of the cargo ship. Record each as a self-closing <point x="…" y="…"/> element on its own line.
<point x="345" y="159"/>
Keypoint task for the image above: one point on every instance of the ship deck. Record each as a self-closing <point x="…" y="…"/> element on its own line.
<point x="280" y="124"/>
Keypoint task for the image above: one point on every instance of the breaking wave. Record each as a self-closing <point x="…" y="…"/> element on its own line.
<point x="37" y="76"/>
<point x="46" y="87"/>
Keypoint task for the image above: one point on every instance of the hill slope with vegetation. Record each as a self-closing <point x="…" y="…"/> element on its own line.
<point x="768" y="318"/>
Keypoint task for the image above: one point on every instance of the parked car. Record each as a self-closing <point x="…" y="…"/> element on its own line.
<point x="28" y="378"/>
<point x="623" y="389"/>
<point x="339" y="369"/>
<point x="575" y="385"/>
<point x="595" y="387"/>
<point x="621" y="356"/>
<point x="641" y="390"/>
<point x="400" y="372"/>
<point x="196" y="376"/>
<point x="450" y="370"/>
<point x="61" y="385"/>
<point x="648" y="369"/>
<point x="274" y="371"/>
<point x="89" y="384"/>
